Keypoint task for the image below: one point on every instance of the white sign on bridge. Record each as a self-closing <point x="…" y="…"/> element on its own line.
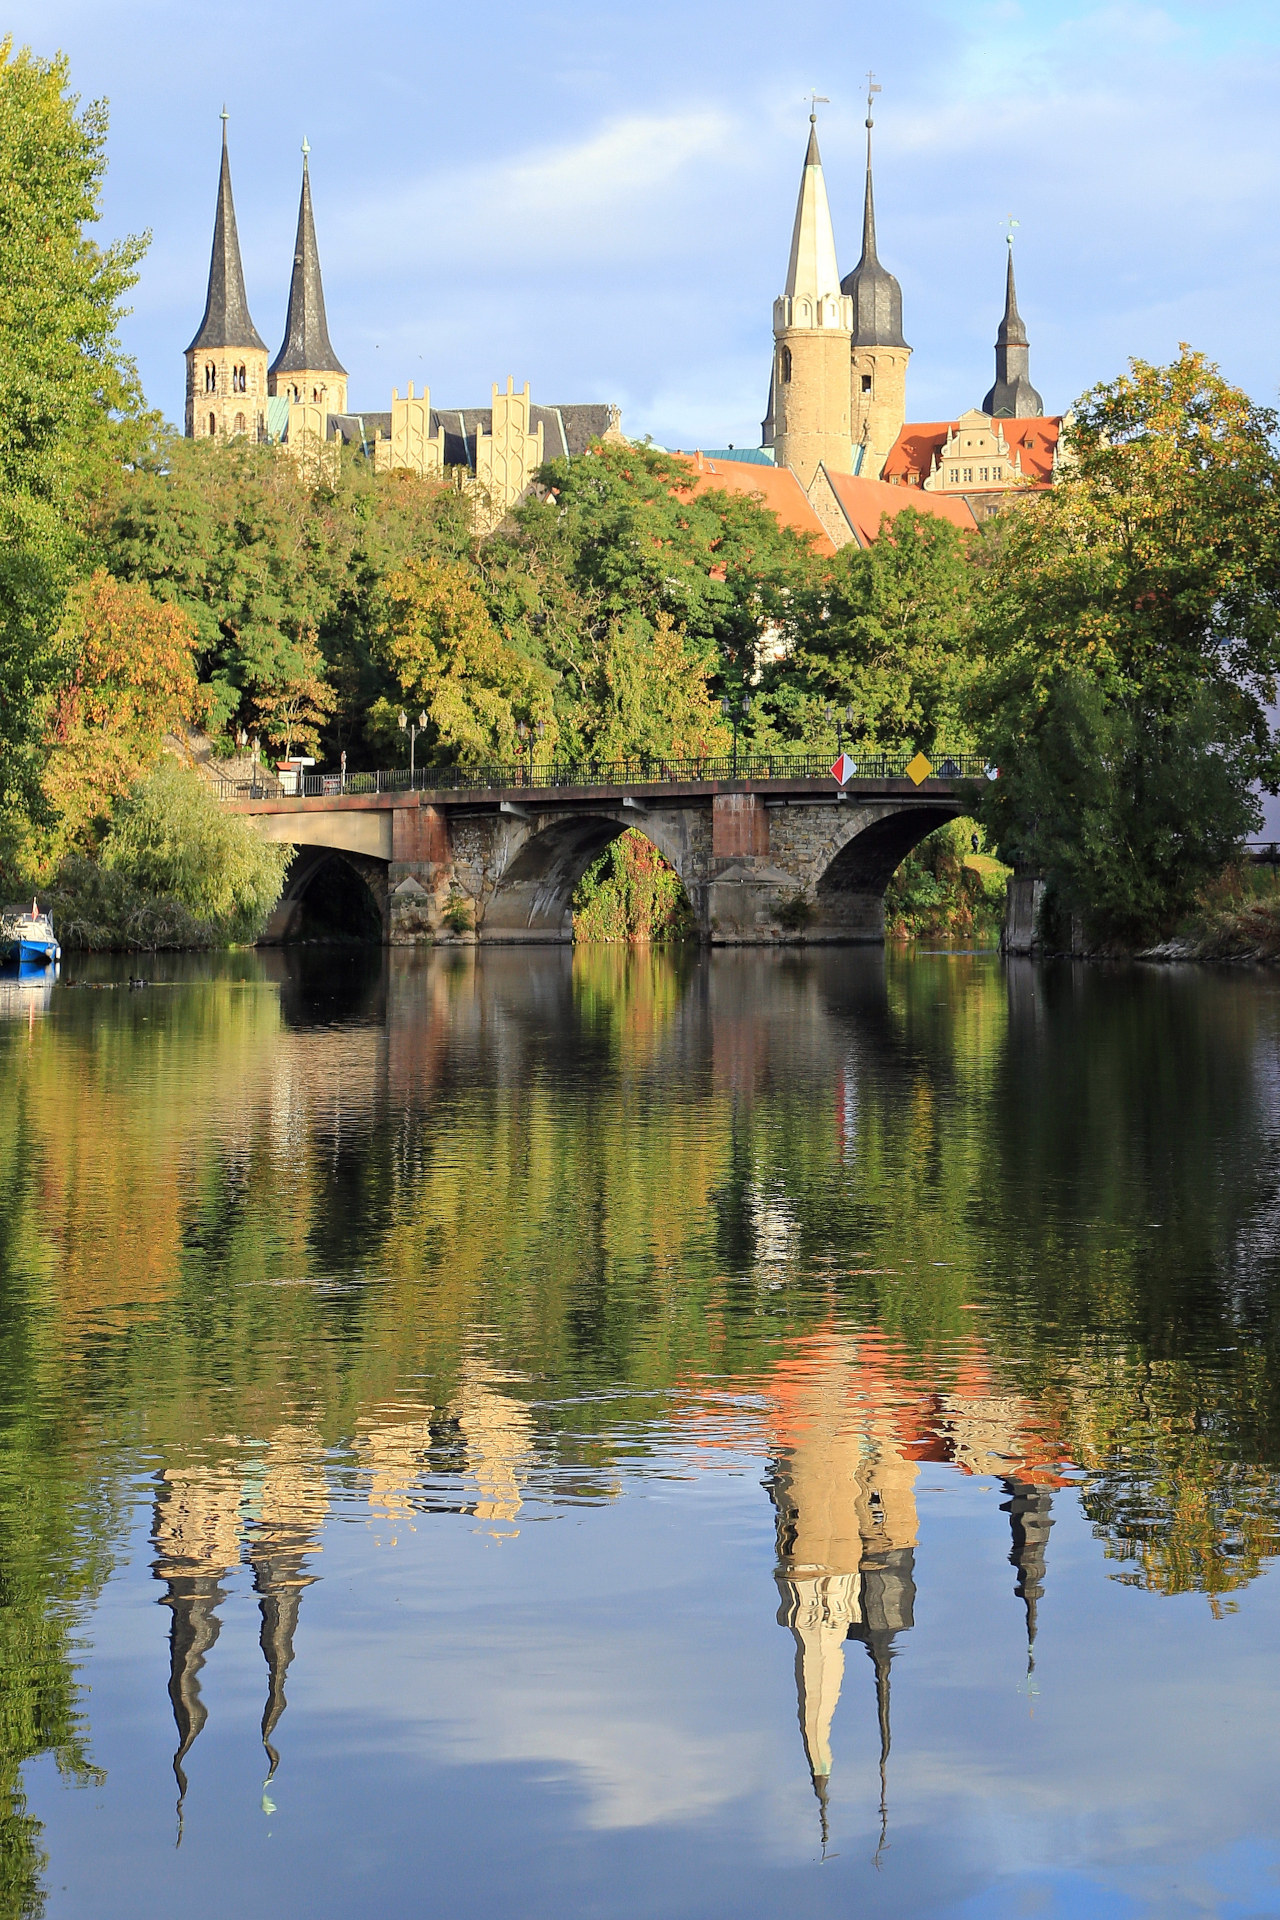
<point x="843" y="770"/>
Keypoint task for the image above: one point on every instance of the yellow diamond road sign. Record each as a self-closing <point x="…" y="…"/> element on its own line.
<point x="919" y="769"/>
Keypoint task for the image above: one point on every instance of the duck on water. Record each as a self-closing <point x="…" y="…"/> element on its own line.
<point x="27" y="939"/>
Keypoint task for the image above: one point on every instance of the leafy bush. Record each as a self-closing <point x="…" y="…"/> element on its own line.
<point x="98" y="911"/>
<point x="945" y="890"/>
<point x="176" y="869"/>
<point x="630" y="893"/>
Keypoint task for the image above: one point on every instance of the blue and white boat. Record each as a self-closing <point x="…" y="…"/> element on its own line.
<point x="27" y="939"/>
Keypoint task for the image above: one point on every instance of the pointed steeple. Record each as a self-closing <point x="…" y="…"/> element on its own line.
<point x="812" y="271"/>
<point x="226" y="320"/>
<point x="876" y="295"/>
<point x="1030" y="1510"/>
<point x="306" y="346"/>
<point x="1012" y="397"/>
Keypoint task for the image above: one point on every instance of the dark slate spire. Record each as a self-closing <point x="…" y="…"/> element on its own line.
<point x="1030" y="1510"/>
<point x="226" y="320"/>
<point x="876" y="295"/>
<point x="1013" y="397"/>
<point x="306" y="331"/>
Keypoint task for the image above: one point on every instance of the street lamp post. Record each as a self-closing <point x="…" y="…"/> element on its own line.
<point x="731" y="713"/>
<point x="413" y="728"/>
<point x="840" y="720"/>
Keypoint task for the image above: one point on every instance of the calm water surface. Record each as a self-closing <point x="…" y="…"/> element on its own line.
<point x="622" y="1435"/>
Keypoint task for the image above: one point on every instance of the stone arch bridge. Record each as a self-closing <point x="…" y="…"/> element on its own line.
<point x="761" y="860"/>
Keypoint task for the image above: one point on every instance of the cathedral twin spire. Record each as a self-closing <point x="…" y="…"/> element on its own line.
<point x="227" y="358"/>
<point x="226" y="321"/>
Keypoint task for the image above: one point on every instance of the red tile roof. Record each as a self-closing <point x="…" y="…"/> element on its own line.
<point x="865" y="502"/>
<point x="917" y="447"/>
<point x="776" y="487"/>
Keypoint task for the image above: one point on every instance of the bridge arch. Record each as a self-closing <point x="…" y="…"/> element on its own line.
<point x="330" y="893"/>
<point x="844" y="857"/>
<point x="532" y="898"/>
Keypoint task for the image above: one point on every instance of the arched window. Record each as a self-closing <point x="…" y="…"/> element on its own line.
<point x="315" y="396"/>
<point x="239" y="423"/>
<point x="784" y="364"/>
<point x="210" y="377"/>
<point x="213" y="424"/>
<point x="238" y="380"/>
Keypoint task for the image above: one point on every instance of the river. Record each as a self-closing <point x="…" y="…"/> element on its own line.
<point x="613" y="1433"/>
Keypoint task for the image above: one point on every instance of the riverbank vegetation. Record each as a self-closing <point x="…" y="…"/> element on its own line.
<point x="1110" y="643"/>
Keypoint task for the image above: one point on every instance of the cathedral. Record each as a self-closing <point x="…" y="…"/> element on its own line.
<point x="837" y="392"/>
<point x="300" y="398"/>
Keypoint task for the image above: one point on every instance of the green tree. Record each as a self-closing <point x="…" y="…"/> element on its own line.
<point x="68" y="395"/>
<point x="1131" y="621"/>
<point x="448" y="657"/>
<point x="886" y="630"/>
<point x="250" y="551"/>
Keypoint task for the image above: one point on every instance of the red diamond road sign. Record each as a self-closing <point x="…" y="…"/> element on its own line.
<point x="843" y="770"/>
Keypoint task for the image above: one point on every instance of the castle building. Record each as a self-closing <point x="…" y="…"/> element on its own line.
<point x="301" y="400"/>
<point x="843" y="437"/>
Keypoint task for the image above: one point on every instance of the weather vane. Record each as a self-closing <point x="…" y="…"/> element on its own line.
<point x="817" y="100"/>
<point x="1011" y="223"/>
<point x="873" y="88"/>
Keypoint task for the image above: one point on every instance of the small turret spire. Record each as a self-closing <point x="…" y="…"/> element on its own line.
<point x="306" y="346"/>
<point x="1012" y="397"/>
<point x="226" y="321"/>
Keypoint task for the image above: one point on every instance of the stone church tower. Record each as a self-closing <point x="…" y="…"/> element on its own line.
<point x="809" y="394"/>
<point x="880" y="353"/>
<point x="307" y="369"/>
<point x="227" y="360"/>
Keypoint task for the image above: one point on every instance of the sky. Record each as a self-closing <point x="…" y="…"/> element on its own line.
<point x="598" y="198"/>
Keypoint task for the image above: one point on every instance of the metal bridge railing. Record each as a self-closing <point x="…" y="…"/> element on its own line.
<point x="639" y="771"/>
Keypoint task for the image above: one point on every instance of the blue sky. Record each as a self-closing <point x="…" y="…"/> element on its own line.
<point x="598" y="198"/>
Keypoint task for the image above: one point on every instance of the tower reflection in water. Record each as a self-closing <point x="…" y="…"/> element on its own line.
<point x="849" y="1430"/>
<point x="267" y="1506"/>
<point x="846" y="1433"/>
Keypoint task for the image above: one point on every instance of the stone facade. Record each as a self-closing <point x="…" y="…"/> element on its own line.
<point x="226" y="393"/>
<point x="878" y="403"/>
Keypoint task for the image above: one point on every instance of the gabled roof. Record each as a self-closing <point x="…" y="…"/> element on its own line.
<point x="226" y="320"/>
<point x="306" y="346"/>
<point x="914" y="453"/>
<point x="864" y="503"/>
<point x="776" y="488"/>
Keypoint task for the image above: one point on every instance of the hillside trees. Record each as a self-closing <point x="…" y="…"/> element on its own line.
<point x="133" y="679"/>
<point x="887" y="630"/>
<point x="67" y="392"/>
<point x="1132" y="629"/>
